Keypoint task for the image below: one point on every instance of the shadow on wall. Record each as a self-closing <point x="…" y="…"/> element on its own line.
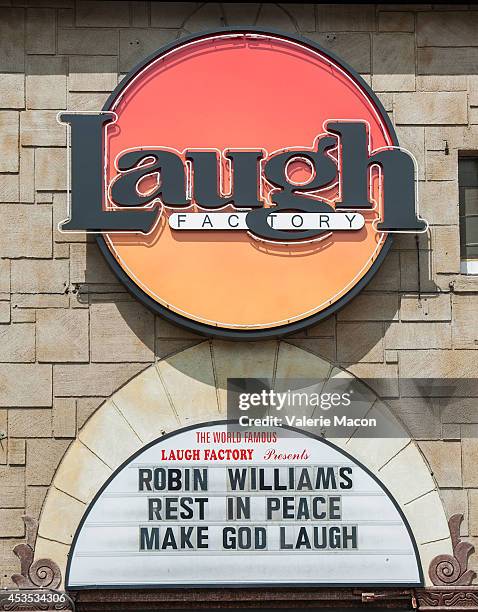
<point x="124" y="330"/>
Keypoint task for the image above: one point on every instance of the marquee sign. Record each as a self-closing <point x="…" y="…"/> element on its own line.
<point x="242" y="183"/>
<point x="207" y="506"/>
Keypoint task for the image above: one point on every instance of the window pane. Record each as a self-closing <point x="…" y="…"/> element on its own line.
<point x="470" y="252"/>
<point x="471" y="231"/>
<point x="471" y="201"/>
<point x="468" y="191"/>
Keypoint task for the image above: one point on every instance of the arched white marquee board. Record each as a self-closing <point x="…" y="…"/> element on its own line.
<point x="314" y="516"/>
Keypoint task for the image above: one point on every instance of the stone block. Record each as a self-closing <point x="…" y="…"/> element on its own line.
<point x="396" y="475"/>
<point x="40" y="31"/>
<point x="9" y="158"/>
<point x="29" y="231"/>
<point x="85" y="407"/>
<point x="140" y="13"/>
<point x="420" y="416"/>
<point x="411" y="263"/>
<point x="435" y="526"/>
<point x="86" y="102"/>
<point x="4" y="312"/>
<point x="302" y="14"/>
<point x="440" y="166"/>
<point x="359" y="342"/>
<point x="17" y="343"/>
<point x="39" y="276"/>
<point x="438" y="364"/>
<point x="16" y="451"/>
<point x="447" y="29"/>
<point x="387" y="277"/>
<point x="82" y="473"/>
<point x="64" y="417"/>
<point x="428" y="108"/>
<point x="87" y="265"/>
<point x="270" y="15"/>
<point x="106" y="13"/>
<point x="382" y="377"/>
<point x="322" y="347"/>
<point x="3" y="429"/>
<point x="62" y="335"/>
<point x="43" y="457"/>
<point x="444" y="459"/>
<point x="455" y="501"/>
<point x="9" y="188"/>
<point x="11" y="523"/>
<point x="323" y="329"/>
<point x="465" y="330"/>
<point x="12" y="91"/>
<point x="446" y="249"/>
<point x="29" y="423"/>
<point x="166" y="348"/>
<point x="50" y="169"/>
<point x="248" y="360"/>
<point x="121" y="332"/>
<point x="35" y="496"/>
<point x="46" y="91"/>
<point x="439" y="82"/>
<point x="469" y="458"/>
<point x="431" y="307"/>
<point x="438" y="202"/>
<point x="146" y="407"/>
<point x="447" y="61"/>
<point x="396" y="21"/>
<point x="25" y="385"/>
<point x="96" y="436"/>
<point x="347" y="17"/>
<point x="39" y="300"/>
<point x="207" y="16"/>
<point x="102" y="379"/>
<point x="413" y="140"/>
<point x="165" y="329"/>
<point x="371" y="307"/>
<point x="353" y="48"/>
<point x="393" y="62"/>
<point x="473" y="516"/>
<point x="27" y="175"/>
<point x="12" y="36"/>
<point x="12" y="483"/>
<point x="136" y="44"/>
<point x="418" y="335"/>
<point x="174" y="14"/>
<point x="90" y="41"/>
<point x="93" y="73"/>
<point x="60" y="517"/>
<point x="5" y="278"/>
<point x="40" y="128"/>
<point x="189" y="378"/>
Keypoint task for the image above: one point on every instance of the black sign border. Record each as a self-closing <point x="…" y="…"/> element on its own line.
<point x="213" y="331"/>
<point x="176" y="432"/>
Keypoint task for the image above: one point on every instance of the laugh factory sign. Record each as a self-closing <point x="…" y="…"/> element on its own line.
<point x="210" y="506"/>
<point x="241" y="183"/>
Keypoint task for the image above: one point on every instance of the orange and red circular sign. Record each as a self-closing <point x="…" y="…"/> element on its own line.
<point x="243" y="90"/>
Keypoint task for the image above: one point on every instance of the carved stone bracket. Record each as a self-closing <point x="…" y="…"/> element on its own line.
<point x="43" y="573"/>
<point x="452" y="570"/>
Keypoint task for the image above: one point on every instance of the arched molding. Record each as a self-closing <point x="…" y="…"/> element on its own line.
<point x="190" y="387"/>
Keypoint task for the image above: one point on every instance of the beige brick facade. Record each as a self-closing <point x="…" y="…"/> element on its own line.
<point x="70" y="334"/>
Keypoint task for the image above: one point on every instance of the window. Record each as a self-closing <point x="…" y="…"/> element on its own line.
<point x="468" y="187"/>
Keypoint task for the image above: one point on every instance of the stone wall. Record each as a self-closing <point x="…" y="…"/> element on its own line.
<point x="70" y="335"/>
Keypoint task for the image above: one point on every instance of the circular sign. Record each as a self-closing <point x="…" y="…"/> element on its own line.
<point x="245" y="91"/>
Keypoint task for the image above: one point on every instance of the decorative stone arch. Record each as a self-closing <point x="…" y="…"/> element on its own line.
<point x="190" y="388"/>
